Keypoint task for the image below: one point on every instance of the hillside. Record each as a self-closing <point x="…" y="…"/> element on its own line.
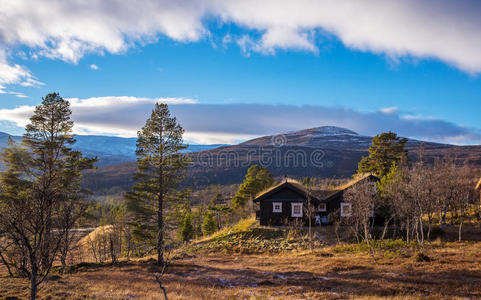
<point x="110" y="150"/>
<point x="319" y="152"/>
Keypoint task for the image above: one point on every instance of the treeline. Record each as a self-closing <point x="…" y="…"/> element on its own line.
<point x="410" y="198"/>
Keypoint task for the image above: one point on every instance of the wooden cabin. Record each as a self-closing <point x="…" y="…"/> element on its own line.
<point x="289" y="201"/>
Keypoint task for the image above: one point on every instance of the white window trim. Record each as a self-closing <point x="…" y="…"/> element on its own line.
<point x="343" y="214"/>
<point x="324" y="208"/>
<point x="292" y="210"/>
<point x="274" y="207"/>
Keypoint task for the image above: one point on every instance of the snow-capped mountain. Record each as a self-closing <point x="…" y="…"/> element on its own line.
<point x="325" y="136"/>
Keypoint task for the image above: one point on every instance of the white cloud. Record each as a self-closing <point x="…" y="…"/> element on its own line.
<point x="121" y="116"/>
<point x="227" y="39"/>
<point x="213" y="137"/>
<point x="389" y="110"/>
<point x="94" y="67"/>
<point x="446" y="30"/>
<point x="18" y="95"/>
<point x="14" y="73"/>
<point x="231" y="123"/>
<point x="66" y="30"/>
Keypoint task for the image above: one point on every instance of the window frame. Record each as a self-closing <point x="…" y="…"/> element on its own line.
<point x="344" y="204"/>
<point x="300" y="214"/>
<point x="274" y="210"/>
<point x="324" y="209"/>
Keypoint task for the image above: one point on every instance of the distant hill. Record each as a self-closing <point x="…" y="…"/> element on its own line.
<point x="320" y="152"/>
<point x="109" y="149"/>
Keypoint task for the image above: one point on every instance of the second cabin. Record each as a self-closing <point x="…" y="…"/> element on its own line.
<point x="290" y="201"/>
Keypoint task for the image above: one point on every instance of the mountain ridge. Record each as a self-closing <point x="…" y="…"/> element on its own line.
<point x="317" y="152"/>
<point x="110" y="150"/>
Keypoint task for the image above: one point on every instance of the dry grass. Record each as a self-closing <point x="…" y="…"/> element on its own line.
<point x="453" y="272"/>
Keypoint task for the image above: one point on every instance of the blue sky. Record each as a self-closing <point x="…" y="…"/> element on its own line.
<point x="238" y="75"/>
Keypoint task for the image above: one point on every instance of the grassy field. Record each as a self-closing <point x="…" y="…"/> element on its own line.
<point x="454" y="271"/>
<point x="220" y="267"/>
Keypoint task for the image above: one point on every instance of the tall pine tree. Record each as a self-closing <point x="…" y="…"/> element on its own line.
<point x="160" y="167"/>
<point x="41" y="199"/>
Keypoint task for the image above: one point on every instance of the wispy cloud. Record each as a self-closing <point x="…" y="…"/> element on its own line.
<point x="232" y="123"/>
<point x="445" y="30"/>
<point x="389" y="110"/>
<point x="94" y="67"/>
<point x="18" y="95"/>
<point x="14" y="73"/>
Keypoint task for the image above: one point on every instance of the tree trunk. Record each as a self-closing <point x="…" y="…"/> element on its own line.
<point x="368" y="241"/>
<point x="394" y="234"/>
<point x="160" y="223"/>
<point x="160" y="237"/>
<point x="310" y="223"/>
<point x="460" y="231"/>
<point x="407" y="230"/>
<point x="443" y="217"/>
<point x="429" y="227"/>
<point x="64" y="264"/>
<point x="112" y="251"/>
<point x="33" y="284"/>
<point x="6" y="264"/>
<point x="422" y="229"/>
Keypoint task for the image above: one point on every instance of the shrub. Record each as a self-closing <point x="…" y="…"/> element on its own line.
<point x="186" y="230"/>
<point x="421" y="257"/>
<point x="209" y="225"/>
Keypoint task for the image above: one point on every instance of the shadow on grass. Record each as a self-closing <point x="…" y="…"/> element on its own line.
<point x="354" y="281"/>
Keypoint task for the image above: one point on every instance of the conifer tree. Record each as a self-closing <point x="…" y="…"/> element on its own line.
<point x="256" y="179"/>
<point x="160" y="167"/>
<point x="387" y="148"/>
<point x="41" y="199"/>
<point x="186" y="230"/>
<point x="209" y="225"/>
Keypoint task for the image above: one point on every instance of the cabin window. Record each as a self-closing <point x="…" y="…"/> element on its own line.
<point x="296" y="210"/>
<point x="276" y="207"/>
<point x="322" y="207"/>
<point x="346" y="209"/>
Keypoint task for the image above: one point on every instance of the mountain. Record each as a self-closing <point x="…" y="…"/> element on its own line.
<point x="319" y="152"/>
<point x="109" y="149"/>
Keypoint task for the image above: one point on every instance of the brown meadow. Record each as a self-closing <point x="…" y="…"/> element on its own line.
<point x="454" y="271"/>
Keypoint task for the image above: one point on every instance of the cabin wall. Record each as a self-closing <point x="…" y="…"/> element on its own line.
<point x="286" y="197"/>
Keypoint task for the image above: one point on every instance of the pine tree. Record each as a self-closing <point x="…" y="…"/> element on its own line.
<point x="386" y="149"/>
<point x="256" y="179"/>
<point x="160" y="167"/>
<point x="209" y="225"/>
<point x="186" y="230"/>
<point x="41" y="198"/>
